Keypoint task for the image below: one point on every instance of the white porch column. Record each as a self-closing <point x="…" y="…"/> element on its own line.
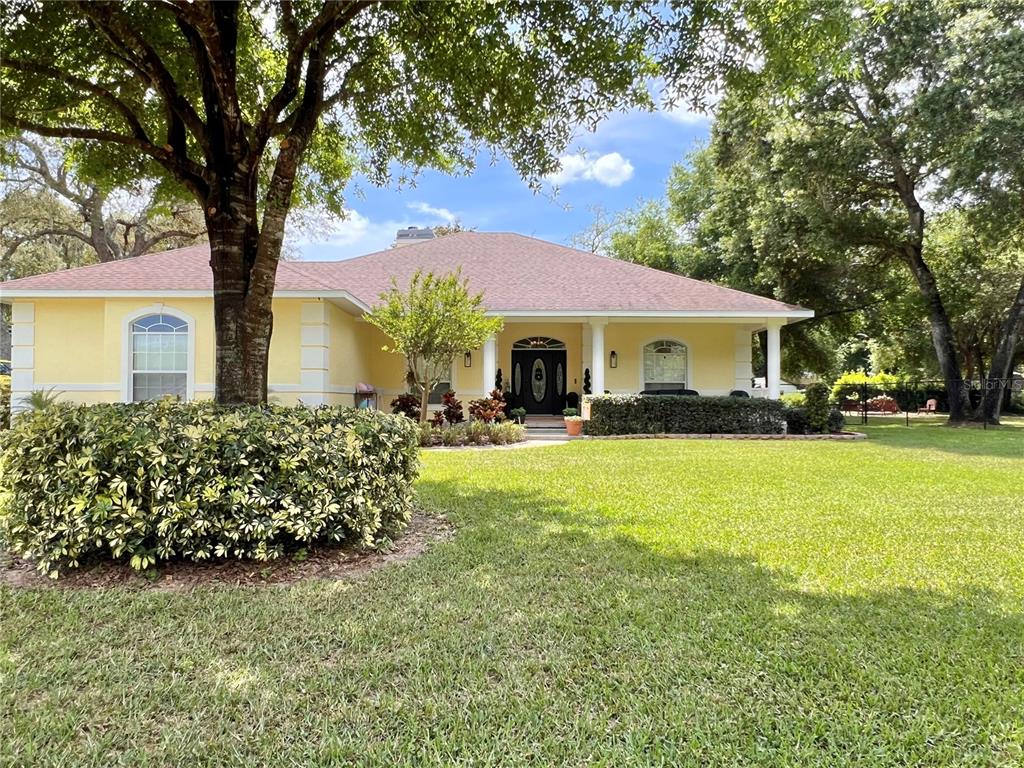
<point x="774" y="362"/>
<point x="490" y="363"/>
<point x="597" y="325"/>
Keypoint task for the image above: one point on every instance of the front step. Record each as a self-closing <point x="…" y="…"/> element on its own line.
<point x="547" y="433"/>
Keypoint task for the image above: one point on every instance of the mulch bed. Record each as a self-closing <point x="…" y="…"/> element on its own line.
<point x="333" y="563"/>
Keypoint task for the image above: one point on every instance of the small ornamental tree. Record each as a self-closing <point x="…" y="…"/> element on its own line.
<point x="431" y="323"/>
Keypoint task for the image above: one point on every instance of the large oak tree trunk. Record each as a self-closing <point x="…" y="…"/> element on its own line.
<point x="943" y="338"/>
<point x="1002" y="362"/>
<point x="244" y="263"/>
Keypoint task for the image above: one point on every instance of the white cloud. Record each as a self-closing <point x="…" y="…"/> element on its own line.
<point x="329" y="237"/>
<point x="438" y="213"/>
<point x="687" y="115"/>
<point x="611" y="169"/>
<point x="683" y="111"/>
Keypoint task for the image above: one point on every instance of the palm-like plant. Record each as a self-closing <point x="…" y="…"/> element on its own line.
<point x="41" y="399"/>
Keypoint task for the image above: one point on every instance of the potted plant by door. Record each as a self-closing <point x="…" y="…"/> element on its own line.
<point x="573" y="423"/>
<point x="519" y="414"/>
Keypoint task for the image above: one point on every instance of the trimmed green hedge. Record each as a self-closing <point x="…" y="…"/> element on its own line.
<point x="680" y="414"/>
<point x="153" y="481"/>
<point x="798" y="422"/>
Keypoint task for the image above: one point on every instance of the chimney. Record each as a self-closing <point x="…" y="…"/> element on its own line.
<point x="412" y="235"/>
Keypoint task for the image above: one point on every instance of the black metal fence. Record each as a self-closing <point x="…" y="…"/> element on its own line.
<point x="918" y="398"/>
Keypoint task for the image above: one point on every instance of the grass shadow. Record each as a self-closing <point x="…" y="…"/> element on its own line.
<point x="544" y="633"/>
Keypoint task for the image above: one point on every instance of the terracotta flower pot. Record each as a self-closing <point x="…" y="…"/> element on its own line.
<point x="574" y="427"/>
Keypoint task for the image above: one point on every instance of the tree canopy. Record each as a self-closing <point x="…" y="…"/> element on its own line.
<point x="48" y="202"/>
<point x="871" y="187"/>
<point x="250" y="107"/>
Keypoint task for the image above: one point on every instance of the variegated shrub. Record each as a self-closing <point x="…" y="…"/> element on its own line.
<point x="153" y="481"/>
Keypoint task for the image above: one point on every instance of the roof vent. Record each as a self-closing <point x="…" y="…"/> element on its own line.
<point x="412" y="235"/>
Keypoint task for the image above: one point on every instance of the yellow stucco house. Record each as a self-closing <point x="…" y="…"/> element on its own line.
<point x="143" y="327"/>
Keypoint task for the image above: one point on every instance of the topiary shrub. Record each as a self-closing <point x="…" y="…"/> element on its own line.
<point x="153" y="481"/>
<point x="681" y="414"/>
<point x="816" y="398"/>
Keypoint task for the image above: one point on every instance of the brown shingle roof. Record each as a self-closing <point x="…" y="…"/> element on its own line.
<point x="514" y="272"/>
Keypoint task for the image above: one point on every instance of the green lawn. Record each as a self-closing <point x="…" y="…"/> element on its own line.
<point x="602" y="603"/>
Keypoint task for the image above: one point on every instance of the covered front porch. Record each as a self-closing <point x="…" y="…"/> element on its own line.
<point x="545" y="363"/>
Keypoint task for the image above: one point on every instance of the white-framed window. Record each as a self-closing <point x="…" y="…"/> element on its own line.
<point x="666" y="365"/>
<point x="438" y="392"/>
<point x="158" y="353"/>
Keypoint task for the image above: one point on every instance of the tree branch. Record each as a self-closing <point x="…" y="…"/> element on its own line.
<point x="149" y="242"/>
<point x="190" y="173"/>
<point x="211" y="32"/>
<point x="331" y="18"/>
<point x="105" y="94"/>
<point x="144" y="59"/>
<point x="52" y="231"/>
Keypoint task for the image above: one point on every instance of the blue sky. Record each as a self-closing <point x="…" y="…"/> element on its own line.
<point x="627" y="159"/>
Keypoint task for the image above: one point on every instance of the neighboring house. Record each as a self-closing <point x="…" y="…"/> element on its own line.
<point x="143" y="327"/>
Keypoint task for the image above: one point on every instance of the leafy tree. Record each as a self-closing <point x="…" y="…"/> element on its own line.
<point x="978" y="268"/>
<point x="114" y="223"/>
<point x="252" y="107"/>
<point x="647" y="235"/>
<point x="26" y="248"/>
<point x="833" y="173"/>
<point x="726" y="221"/>
<point x="869" y="144"/>
<point x="986" y="153"/>
<point x="743" y="227"/>
<point x="596" y="237"/>
<point x="432" y="323"/>
<point x="443" y="230"/>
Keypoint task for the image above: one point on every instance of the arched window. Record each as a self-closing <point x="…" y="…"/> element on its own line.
<point x="538" y="342"/>
<point x="665" y="365"/>
<point x="159" y="357"/>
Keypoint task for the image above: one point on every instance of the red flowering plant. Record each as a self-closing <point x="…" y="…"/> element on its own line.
<point x="452" y="408"/>
<point x="489" y="409"/>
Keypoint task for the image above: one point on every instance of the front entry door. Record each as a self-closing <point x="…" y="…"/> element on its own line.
<point x="538" y="380"/>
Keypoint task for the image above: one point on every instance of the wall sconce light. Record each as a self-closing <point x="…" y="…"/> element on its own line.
<point x="467" y="359"/>
<point x="613" y="359"/>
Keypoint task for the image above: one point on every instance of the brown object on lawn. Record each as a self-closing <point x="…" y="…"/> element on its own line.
<point x="929" y="407"/>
